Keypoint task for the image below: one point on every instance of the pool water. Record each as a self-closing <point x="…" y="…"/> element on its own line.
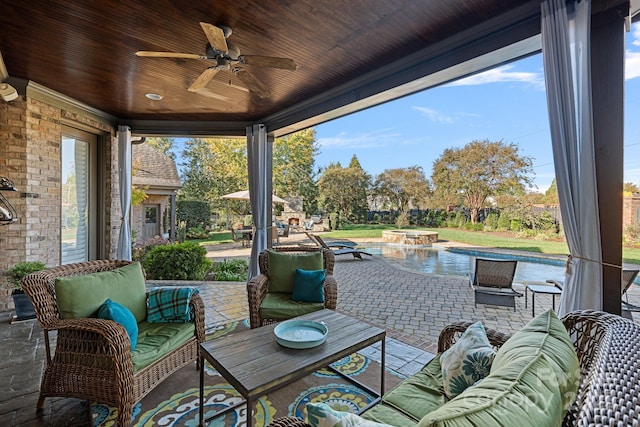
<point x="437" y="260"/>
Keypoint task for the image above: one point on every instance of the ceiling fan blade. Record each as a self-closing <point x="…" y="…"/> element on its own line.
<point x="269" y="61"/>
<point x="254" y="85"/>
<point x="216" y="38"/>
<point x="203" y="79"/>
<point x="147" y="53"/>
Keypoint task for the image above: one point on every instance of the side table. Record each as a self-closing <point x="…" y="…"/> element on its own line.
<point x="540" y="288"/>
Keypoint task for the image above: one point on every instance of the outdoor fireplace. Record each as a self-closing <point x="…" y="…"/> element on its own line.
<point x="294" y="222"/>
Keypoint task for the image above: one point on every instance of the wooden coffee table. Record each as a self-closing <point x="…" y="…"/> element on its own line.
<point x="255" y="364"/>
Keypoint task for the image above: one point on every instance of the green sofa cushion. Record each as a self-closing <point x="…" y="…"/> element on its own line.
<point x="281" y="306"/>
<point x="282" y="268"/>
<point x="157" y="339"/>
<point x="413" y="398"/>
<point x="533" y="379"/>
<point x="81" y="296"/>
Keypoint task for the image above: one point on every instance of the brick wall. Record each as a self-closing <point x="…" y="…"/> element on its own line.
<point x="30" y="143"/>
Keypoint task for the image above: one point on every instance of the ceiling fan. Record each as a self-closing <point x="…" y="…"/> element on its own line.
<point x="226" y="56"/>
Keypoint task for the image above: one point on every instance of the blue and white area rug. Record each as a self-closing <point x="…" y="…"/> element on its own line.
<point x="175" y="402"/>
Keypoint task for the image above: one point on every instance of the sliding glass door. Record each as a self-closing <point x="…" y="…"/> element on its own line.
<point x="79" y="201"/>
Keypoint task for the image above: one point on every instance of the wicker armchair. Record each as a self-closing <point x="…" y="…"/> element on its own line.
<point x="607" y="347"/>
<point x="257" y="287"/>
<point x="92" y="358"/>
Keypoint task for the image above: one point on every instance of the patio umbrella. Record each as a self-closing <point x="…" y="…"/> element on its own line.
<point x="244" y="195"/>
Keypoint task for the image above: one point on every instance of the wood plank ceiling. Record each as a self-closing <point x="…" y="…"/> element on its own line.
<point x="86" y="50"/>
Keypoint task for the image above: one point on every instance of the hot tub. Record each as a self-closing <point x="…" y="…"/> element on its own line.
<point x="410" y="237"/>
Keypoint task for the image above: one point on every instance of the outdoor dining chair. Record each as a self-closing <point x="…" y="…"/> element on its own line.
<point x="492" y="282"/>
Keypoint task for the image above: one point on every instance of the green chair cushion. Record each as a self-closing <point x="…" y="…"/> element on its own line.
<point x="413" y="398"/>
<point x="81" y="296"/>
<point x="309" y="285"/>
<point x="534" y="377"/>
<point x="157" y="339"/>
<point x="281" y="306"/>
<point x="282" y="268"/>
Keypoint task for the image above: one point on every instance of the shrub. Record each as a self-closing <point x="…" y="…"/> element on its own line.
<point x="194" y="212"/>
<point x="461" y="219"/>
<point x="491" y="223"/>
<point x="402" y="220"/>
<point x="504" y="221"/>
<point x="230" y="270"/>
<point x="181" y="232"/>
<point x="515" y="225"/>
<point x="180" y="261"/>
<point x="474" y="227"/>
<point x="21" y="269"/>
<point x="334" y="220"/>
<point x="197" y="233"/>
<point x="140" y="250"/>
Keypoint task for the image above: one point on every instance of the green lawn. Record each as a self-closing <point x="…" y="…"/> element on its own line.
<point x="479" y="238"/>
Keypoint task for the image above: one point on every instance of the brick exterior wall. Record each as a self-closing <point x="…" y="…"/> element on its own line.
<point x="30" y="155"/>
<point x="630" y="207"/>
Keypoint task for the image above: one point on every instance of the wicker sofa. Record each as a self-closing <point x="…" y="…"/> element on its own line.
<point x="608" y="350"/>
<point x="93" y="359"/>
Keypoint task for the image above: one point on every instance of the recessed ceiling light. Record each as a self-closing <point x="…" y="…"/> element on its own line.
<point x="154" y="96"/>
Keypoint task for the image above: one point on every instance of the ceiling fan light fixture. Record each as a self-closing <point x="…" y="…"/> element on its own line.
<point x="154" y="96"/>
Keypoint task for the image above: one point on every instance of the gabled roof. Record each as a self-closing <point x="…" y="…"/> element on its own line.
<point x="153" y="170"/>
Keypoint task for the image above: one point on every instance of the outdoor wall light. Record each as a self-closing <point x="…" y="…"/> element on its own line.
<point x="8" y="213"/>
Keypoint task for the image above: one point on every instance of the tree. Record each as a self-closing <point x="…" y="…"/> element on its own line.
<point x="481" y="169"/>
<point x="214" y="167"/>
<point x="293" y="167"/>
<point x="402" y="188"/>
<point x="344" y="190"/>
<point x="163" y="144"/>
<point x="630" y="188"/>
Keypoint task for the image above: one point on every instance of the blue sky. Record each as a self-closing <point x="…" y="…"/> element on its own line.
<point x="507" y="103"/>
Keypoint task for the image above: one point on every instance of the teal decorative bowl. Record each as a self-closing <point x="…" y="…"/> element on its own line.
<point x="300" y="333"/>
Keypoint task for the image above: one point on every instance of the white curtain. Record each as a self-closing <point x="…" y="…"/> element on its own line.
<point x="124" y="175"/>
<point x="258" y="161"/>
<point x="566" y="59"/>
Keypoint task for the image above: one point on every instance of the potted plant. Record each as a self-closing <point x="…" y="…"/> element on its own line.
<point x="22" y="303"/>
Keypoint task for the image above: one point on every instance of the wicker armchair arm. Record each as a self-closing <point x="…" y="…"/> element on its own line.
<point x="256" y="290"/>
<point x="452" y="332"/>
<point x="81" y="340"/>
<point x="197" y="308"/>
<point x="288" y="422"/>
<point x="330" y="292"/>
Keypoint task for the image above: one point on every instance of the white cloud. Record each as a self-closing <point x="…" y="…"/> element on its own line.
<point x="378" y="138"/>
<point x="500" y="75"/>
<point x="635" y="28"/>
<point x="433" y="115"/>
<point x="632" y="65"/>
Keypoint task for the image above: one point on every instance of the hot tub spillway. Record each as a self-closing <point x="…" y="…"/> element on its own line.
<point x="410" y="237"/>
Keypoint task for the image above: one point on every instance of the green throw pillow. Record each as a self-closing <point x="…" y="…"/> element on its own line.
<point x="322" y="415"/>
<point x="309" y="285"/>
<point x="282" y="268"/>
<point x="467" y="361"/>
<point x="110" y="310"/>
<point x="81" y="296"/>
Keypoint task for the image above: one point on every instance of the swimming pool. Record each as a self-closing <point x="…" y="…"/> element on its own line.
<point x="437" y="260"/>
